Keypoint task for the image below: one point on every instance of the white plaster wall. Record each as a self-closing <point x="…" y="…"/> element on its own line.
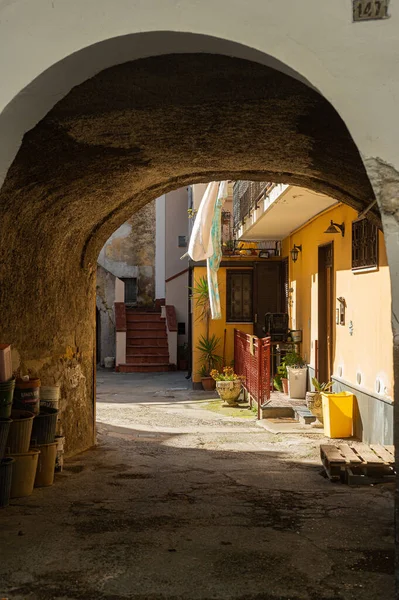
<point x="176" y="223"/>
<point x="354" y="65"/>
<point x="119" y="290"/>
<point x="177" y="296"/>
<point x="160" y="216"/>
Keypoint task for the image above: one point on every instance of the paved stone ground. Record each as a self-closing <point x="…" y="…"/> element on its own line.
<point x="178" y="502"/>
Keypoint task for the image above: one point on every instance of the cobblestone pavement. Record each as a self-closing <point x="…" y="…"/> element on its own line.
<point x="178" y="502"/>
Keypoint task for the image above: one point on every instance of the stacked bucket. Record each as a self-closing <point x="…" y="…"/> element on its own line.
<point x="6" y="463"/>
<point x="29" y="446"/>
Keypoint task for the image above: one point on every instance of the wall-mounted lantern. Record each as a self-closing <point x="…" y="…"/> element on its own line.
<point x="342" y="307"/>
<point x="336" y="228"/>
<point x="295" y="252"/>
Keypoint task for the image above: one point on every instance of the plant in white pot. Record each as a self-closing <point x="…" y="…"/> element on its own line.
<point x="228" y="385"/>
<point x="297" y="374"/>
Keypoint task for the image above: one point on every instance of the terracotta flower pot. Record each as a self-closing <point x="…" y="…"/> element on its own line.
<point x="208" y="383"/>
<point x="284" y="382"/>
<point x="229" y="391"/>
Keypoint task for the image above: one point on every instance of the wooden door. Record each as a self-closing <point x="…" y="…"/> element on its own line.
<point x="325" y="312"/>
<point x="268" y="293"/>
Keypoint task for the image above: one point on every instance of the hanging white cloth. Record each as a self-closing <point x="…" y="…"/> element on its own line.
<point x="206" y="239"/>
<point x="201" y="246"/>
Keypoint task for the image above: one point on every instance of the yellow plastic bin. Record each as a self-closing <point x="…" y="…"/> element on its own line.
<point x="338" y="414"/>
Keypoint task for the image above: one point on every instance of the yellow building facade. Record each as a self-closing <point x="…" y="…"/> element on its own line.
<point x="217" y="327"/>
<point x="361" y="345"/>
<point x="342" y="310"/>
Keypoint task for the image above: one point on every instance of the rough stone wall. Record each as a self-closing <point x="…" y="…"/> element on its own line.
<point x="130" y="253"/>
<point x="105" y="298"/>
<point x="116" y="142"/>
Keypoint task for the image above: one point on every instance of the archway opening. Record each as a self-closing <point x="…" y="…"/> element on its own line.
<point x="129" y="134"/>
<point x="132" y="133"/>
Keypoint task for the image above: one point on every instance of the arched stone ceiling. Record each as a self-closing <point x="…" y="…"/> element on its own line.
<point x="142" y="128"/>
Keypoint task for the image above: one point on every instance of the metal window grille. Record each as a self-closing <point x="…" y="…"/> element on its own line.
<point x="246" y="195"/>
<point x="364" y="245"/>
<point x="130" y="290"/>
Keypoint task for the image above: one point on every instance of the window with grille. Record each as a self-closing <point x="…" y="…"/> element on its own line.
<point x="364" y="245"/>
<point x="182" y="241"/>
<point x="130" y="290"/>
<point x="239" y="296"/>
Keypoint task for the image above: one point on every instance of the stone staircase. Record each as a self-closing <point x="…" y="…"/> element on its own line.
<point x="146" y="342"/>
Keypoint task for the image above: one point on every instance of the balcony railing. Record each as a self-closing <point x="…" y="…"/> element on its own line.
<point x="246" y="195"/>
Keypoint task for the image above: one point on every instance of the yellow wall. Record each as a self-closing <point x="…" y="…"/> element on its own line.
<point x="217" y="327"/>
<point x="368" y="297"/>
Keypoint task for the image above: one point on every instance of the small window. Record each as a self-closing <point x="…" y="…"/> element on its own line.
<point x="182" y="241"/>
<point x="130" y="290"/>
<point x="239" y="296"/>
<point x="181" y="329"/>
<point x="364" y="245"/>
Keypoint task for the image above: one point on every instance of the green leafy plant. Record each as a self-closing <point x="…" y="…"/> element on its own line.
<point x="293" y="359"/>
<point x="277" y="383"/>
<point x="321" y="387"/>
<point x="229" y="245"/>
<point x="200" y="293"/>
<point x="207" y="346"/>
<point x="203" y="372"/>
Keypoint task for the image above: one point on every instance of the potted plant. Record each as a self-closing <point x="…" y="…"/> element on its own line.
<point x="280" y="380"/>
<point x="228" y="247"/>
<point x="297" y="373"/>
<point x="207" y="346"/>
<point x="228" y="385"/>
<point x="314" y="399"/>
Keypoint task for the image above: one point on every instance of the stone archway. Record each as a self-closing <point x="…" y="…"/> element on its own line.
<point x="119" y="140"/>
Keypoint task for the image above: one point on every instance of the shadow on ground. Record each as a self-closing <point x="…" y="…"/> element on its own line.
<point x="142" y="517"/>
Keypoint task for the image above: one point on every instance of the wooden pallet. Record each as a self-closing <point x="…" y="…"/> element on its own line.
<point x="358" y="464"/>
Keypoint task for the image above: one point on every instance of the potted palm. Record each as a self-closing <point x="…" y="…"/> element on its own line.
<point x="207" y="346"/>
<point x="228" y="385"/>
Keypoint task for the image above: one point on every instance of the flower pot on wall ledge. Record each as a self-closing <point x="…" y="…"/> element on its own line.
<point x="229" y="391"/>
<point x="208" y="383"/>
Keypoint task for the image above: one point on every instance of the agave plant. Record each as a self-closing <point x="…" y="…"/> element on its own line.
<point x="321" y="387"/>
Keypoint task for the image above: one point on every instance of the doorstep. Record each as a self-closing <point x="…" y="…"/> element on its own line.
<point x="282" y="414"/>
<point x="288" y="425"/>
<point x="280" y="405"/>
